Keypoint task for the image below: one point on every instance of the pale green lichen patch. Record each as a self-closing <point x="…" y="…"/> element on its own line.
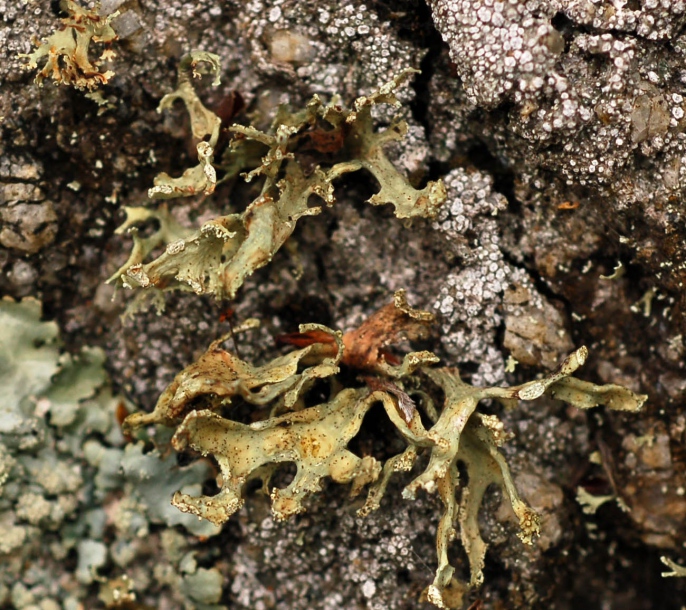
<point x="50" y="404"/>
<point x="67" y="50"/>
<point x="219" y="376"/>
<point x="204" y="588"/>
<point x="67" y="483"/>
<point x="590" y="503"/>
<point x="316" y="438"/>
<point x="80" y="376"/>
<point x="151" y="480"/>
<point x="205" y="125"/>
<point x="169" y="232"/>
<point x="217" y="258"/>
<point x="29" y="357"/>
<point x="676" y="569"/>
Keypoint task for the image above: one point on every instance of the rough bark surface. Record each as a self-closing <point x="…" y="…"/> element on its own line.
<point x="558" y="129"/>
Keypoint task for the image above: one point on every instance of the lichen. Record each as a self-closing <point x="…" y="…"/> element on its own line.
<point x="201" y="178"/>
<point x="217" y="258"/>
<point x="29" y="356"/>
<point x="51" y="403"/>
<point x="67" y="482"/>
<point x="151" y="478"/>
<point x="543" y="144"/>
<point x="676" y="569"/>
<point x="67" y="50"/>
<point x="316" y="438"/>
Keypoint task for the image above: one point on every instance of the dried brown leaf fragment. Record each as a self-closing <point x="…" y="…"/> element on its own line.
<point x="366" y="347"/>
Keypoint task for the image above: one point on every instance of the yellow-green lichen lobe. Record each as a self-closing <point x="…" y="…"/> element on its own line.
<point x="316" y="438"/>
<point x="66" y="52"/>
<point x="218" y="257"/>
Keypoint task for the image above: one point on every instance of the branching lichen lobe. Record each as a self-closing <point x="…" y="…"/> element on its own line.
<point x="316" y="438"/>
<point x="218" y="257"/>
<point x="67" y="49"/>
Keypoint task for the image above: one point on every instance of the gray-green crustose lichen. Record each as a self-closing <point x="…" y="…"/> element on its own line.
<point x="316" y="438"/>
<point x="217" y="258"/>
<point x="68" y="483"/>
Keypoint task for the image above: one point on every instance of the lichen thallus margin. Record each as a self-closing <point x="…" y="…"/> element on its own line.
<point x="431" y="408"/>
